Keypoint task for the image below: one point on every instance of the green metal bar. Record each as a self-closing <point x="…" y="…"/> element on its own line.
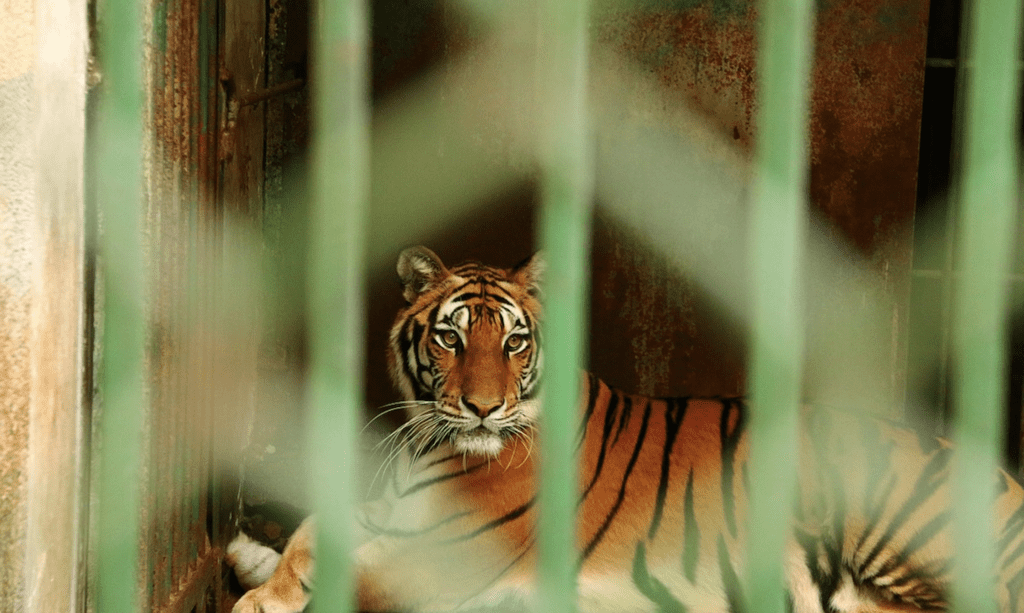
<point x="988" y="209"/>
<point x="335" y="283"/>
<point x="778" y="229"/>
<point x="566" y="191"/>
<point x="118" y="154"/>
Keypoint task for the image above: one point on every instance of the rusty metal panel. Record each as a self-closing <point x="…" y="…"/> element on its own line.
<point x="180" y="558"/>
<point x="243" y="73"/>
<point x="865" y="116"/>
<point x="866" y="121"/>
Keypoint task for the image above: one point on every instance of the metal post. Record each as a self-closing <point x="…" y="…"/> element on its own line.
<point x="989" y="203"/>
<point x="122" y="408"/>
<point x="567" y="190"/>
<point x="335" y="284"/>
<point x="778" y="229"/>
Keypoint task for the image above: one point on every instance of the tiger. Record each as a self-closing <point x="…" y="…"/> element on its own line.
<point x="662" y="484"/>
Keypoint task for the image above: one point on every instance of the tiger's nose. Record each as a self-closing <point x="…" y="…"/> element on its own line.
<point x="483" y="406"/>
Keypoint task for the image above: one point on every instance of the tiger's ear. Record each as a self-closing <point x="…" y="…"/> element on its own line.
<point x="529" y="273"/>
<point x="419" y="269"/>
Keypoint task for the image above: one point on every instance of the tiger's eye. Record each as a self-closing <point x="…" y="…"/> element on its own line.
<point x="449" y="338"/>
<point x="514" y="342"/>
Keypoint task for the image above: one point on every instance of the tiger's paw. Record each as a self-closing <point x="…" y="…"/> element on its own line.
<point x="252" y="562"/>
<point x="287" y="589"/>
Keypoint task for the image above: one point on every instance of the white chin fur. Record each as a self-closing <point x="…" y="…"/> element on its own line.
<point x="477" y="444"/>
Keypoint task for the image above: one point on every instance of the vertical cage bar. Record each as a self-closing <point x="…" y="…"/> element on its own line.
<point x="335" y="283"/>
<point x="566" y="192"/>
<point x="118" y="151"/>
<point x="988" y="193"/>
<point x="778" y="228"/>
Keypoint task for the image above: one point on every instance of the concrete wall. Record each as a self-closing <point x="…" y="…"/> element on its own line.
<point x="43" y="50"/>
<point x="17" y="196"/>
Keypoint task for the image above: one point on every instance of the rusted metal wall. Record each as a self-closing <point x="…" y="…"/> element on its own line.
<point x="181" y="536"/>
<point x="865" y="116"/>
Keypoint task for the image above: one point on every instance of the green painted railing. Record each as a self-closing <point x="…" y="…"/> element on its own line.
<point x="778" y="234"/>
<point x="117" y="148"/>
<point x="336" y="284"/>
<point x="989" y="205"/>
<point x="566" y="161"/>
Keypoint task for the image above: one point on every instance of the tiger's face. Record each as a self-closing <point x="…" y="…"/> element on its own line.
<point x="466" y="351"/>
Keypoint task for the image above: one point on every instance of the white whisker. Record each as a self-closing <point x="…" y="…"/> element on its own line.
<point x="392" y="407"/>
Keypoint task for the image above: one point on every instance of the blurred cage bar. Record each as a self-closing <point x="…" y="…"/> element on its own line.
<point x="182" y="523"/>
<point x="935" y="268"/>
<point x="212" y="149"/>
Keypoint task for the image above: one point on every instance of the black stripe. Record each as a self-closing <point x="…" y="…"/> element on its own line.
<point x="595" y="388"/>
<point x="418" y="332"/>
<point x="502" y="573"/>
<point x="927" y="483"/>
<point x="491" y="525"/>
<point x="502" y="299"/>
<point x="1012" y="528"/>
<point x="609" y="419"/>
<point x="691" y="533"/>
<point x="824" y="579"/>
<point x="414" y="533"/>
<point x="649" y="586"/>
<point x="432" y="316"/>
<point x="730" y="443"/>
<point x="459" y="288"/>
<point x="1016" y="554"/>
<point x="464" y="297"/>
<point x="413" y="312"/>
<point x="730" y="580"/>
<point x="931" y="571"/>
<point x="446" y="458"/>
<point x="364" y="522"/>
<point x="879" y="460"/>
<point x="874" y="513"/>
<point x="833" y="546"/>
<point x="627" y="410"/>
<point x="435" y="480"/>
<point x="674" y="413"/>
<point x="1015" y="589"/>
<point x="919" y="540"/>
<point x="405" y="342"/>
<point x="622" y="489"/>
<point x="901" y="561"/>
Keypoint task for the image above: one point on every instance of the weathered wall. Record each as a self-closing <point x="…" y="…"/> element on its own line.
<point x="43" y="48"/>
<point x="57" y="415"/>
<point x="17" y="44"/>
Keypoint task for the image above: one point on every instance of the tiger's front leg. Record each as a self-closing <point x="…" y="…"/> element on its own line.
<point x="288" y="589"/>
